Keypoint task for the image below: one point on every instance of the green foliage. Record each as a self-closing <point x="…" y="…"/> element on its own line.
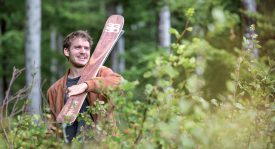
<point x="11" y="40"/>
<point x="174" y="114"/>
<point x="31" y="132"/>
<point x="173" y="111"/>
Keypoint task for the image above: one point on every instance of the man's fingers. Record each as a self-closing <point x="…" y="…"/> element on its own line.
<point x="75" y="89"/>
<point x="69" y="92"/>
<point x="72" y="91"/>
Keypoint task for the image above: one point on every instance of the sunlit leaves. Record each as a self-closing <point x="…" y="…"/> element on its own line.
<point x="190" y="12"/>
<point x="174" y="32"/>
<point x="31" y="132"/>
<point x="189" y="29"/>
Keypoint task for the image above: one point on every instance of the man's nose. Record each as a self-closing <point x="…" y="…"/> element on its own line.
<point x="82" y="49"/>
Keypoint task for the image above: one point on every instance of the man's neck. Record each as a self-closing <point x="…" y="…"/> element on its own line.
<point x="75" y="72"/>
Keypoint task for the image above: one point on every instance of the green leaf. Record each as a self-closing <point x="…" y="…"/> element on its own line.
<point x="189" y="29"/>
<point x="174" y="32"/>
<point x="147" y="74"/>
<point x="190" y="12"/>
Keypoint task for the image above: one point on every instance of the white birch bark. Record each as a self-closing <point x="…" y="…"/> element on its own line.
<point x="163" y="27"/>
<point x="32" y="52"/>
<point x="250" y="7"/>
<point x="118" y="63"/>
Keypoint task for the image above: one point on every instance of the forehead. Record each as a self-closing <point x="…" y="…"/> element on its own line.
<point x="80" y="41"/>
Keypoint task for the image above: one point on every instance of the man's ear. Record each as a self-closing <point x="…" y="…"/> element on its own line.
<point x="66" y="52"/>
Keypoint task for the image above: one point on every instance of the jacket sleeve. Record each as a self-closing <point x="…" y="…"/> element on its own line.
<point x="106" y="78"/>
<point x="52" y="127"/>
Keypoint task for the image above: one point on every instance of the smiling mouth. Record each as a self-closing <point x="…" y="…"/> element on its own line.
<point x="82" y="58"/>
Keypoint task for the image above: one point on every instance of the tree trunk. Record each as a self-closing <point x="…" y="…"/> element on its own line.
<point x="32" y="49"/>
<point x="250" y="7"/>
<point x="118" y="63"/>
<point x="164" y="26"/>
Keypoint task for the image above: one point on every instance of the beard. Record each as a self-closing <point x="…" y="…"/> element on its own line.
<point x="78" y="65"/>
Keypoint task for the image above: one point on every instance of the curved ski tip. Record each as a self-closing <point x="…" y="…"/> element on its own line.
<point x="117" y="16"/>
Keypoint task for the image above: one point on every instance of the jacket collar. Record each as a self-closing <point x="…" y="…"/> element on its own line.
<point x="64" y="86"/>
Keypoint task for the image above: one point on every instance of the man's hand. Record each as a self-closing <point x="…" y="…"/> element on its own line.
<point x="77" y="89"/>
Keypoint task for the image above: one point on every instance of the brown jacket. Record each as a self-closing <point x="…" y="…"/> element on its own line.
<point x="105" y="78"/>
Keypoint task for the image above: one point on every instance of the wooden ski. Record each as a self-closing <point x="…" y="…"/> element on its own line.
<point x="110" y="34"/>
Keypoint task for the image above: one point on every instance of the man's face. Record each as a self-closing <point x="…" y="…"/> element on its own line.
<point x="78" y="53"/>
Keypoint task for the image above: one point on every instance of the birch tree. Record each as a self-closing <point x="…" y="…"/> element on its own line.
<point x="118" y="63"/>
<point x="32" y="52"/>
<point x="250" y="8"/>
<point x="163" y="27"/>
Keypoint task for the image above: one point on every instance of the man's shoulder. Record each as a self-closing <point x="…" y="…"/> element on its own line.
<point x="104" y="68"/>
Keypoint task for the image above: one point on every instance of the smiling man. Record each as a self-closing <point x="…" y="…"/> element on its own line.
<point x="76" y="47"/>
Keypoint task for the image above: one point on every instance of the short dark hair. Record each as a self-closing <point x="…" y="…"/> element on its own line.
<point x="77" y="34"/>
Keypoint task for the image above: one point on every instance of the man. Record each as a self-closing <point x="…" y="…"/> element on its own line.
<point x="76" y="47"/>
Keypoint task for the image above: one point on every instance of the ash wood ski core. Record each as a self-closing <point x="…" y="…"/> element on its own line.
<point x="111" y="33"/>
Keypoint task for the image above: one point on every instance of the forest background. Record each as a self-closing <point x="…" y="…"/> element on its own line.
<point x="200" y="73"/>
